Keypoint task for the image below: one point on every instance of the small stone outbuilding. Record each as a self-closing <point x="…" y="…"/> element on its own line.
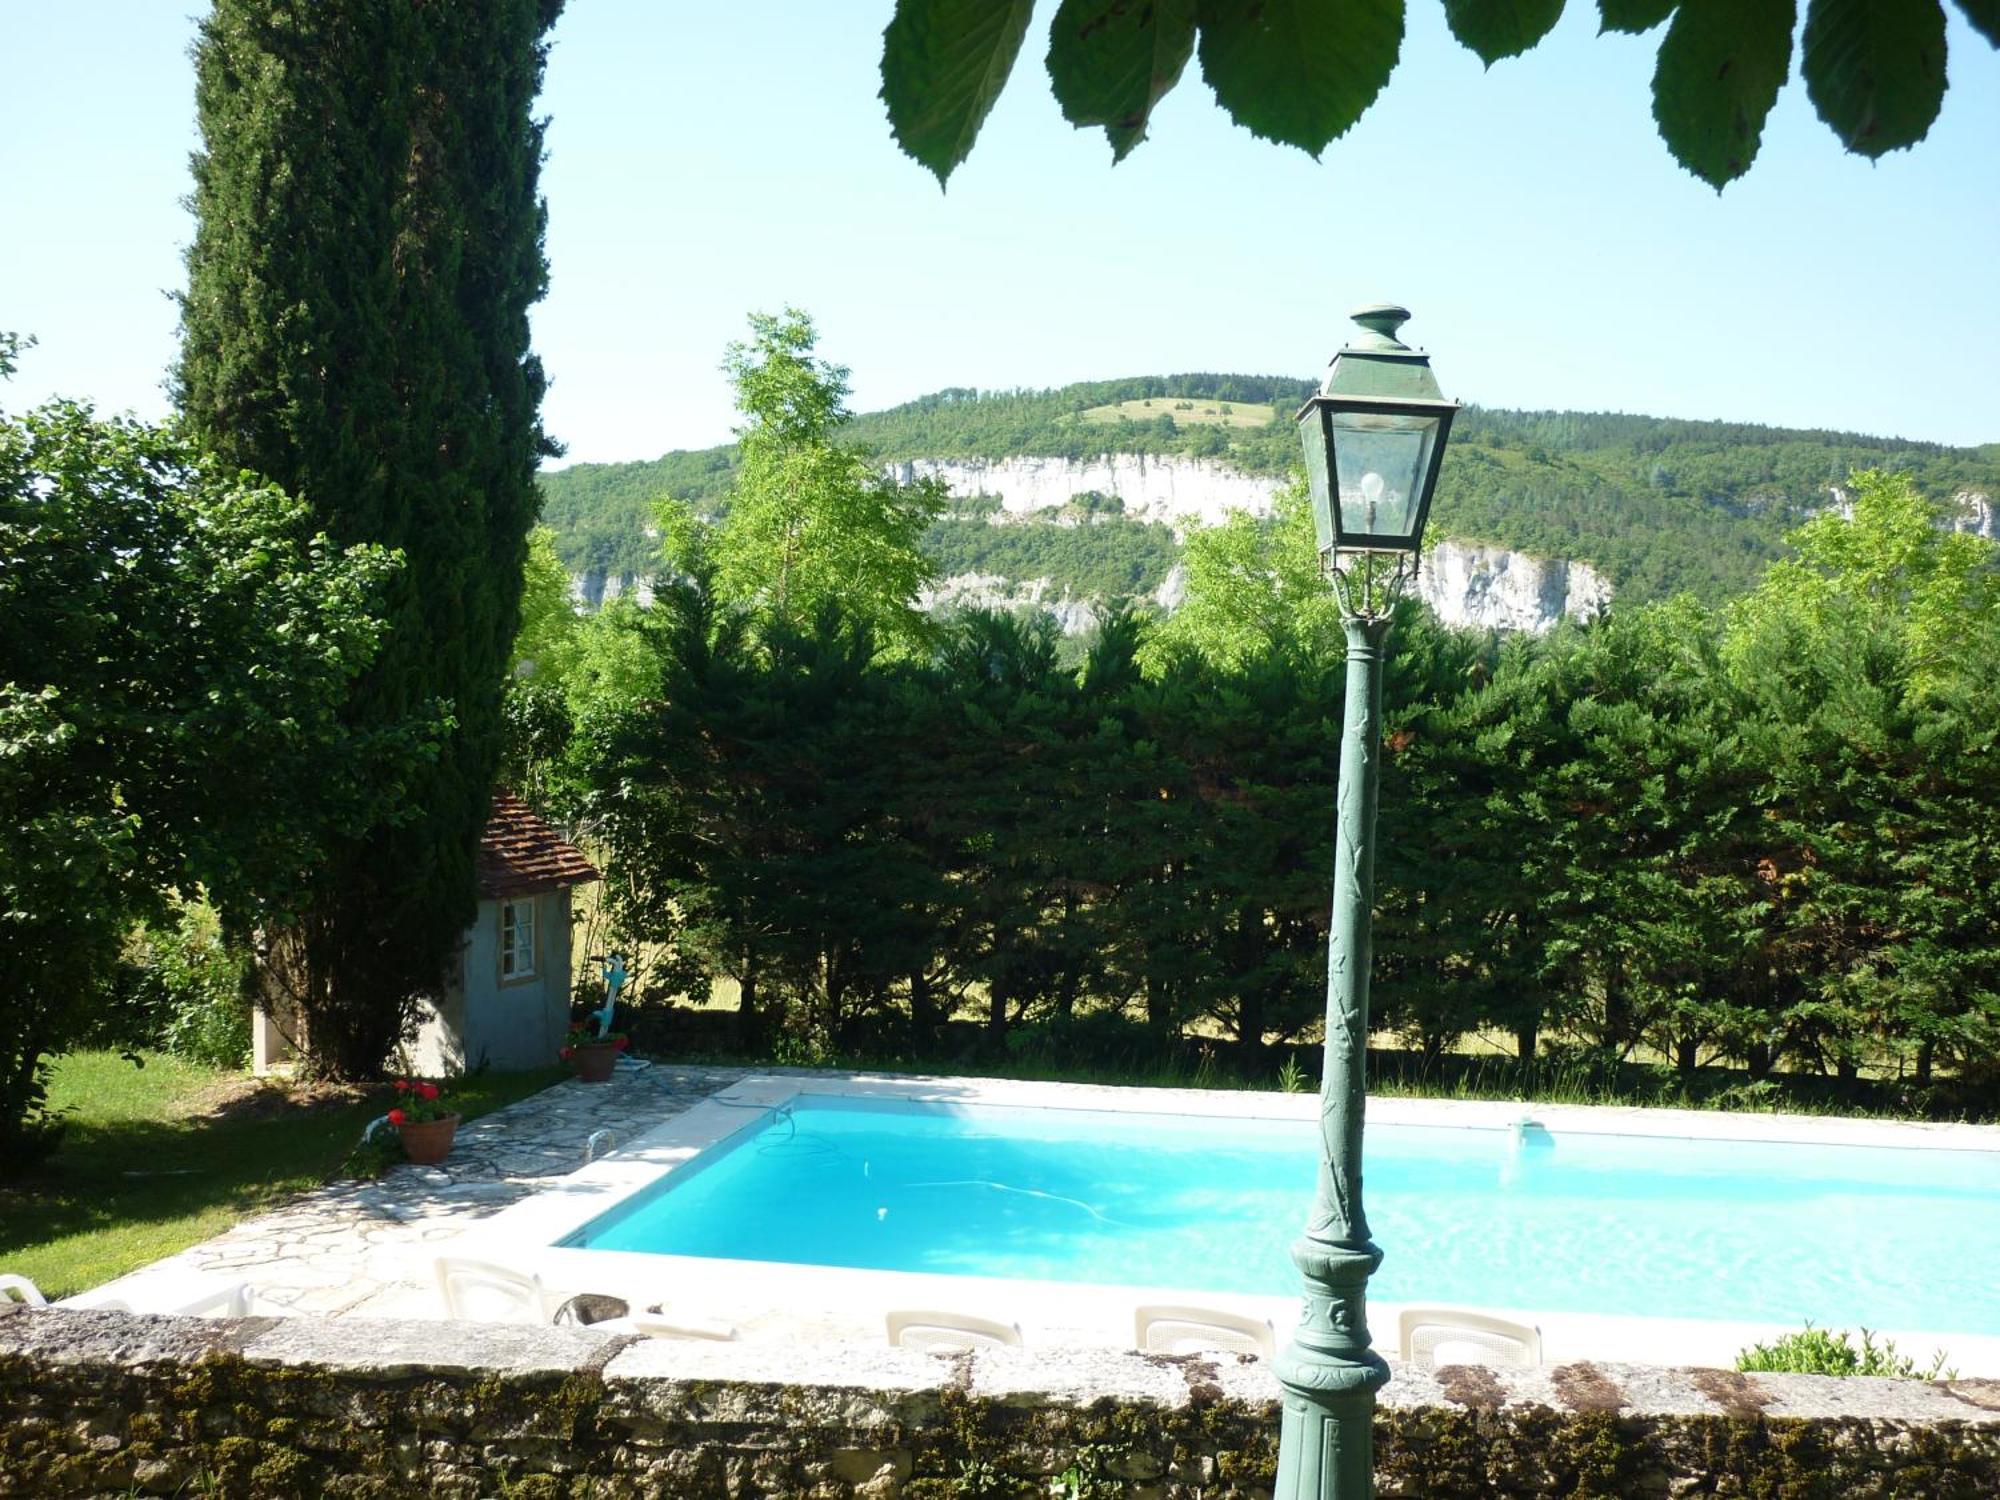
<point x="507" y="1007"/>
<point x="507" y="1004"/>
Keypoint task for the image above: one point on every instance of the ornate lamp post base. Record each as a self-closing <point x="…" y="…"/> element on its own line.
<point x="1330" y="1377"/>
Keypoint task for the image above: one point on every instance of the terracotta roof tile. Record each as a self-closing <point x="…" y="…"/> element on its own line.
<point x="520" y="854"/>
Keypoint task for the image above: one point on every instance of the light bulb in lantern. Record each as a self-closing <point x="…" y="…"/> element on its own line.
<point x="1371" y="495"/>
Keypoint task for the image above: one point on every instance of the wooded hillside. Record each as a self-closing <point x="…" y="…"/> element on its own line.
<point x="1660" y="505"/>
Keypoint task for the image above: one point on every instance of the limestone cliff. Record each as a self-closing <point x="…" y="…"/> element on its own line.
<point x="1173" y="489"/>
<point x="1465" y="584"/>
<point x="1976" y="513"/>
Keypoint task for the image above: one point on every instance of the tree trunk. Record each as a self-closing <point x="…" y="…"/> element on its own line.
<point x="749" y="1024"/>
<point x="1250" y="1032"/>
<point x="1687" y="1052"/>
<point x="1252" y="1003"/>
<point x="1617" y="1009"/>
<point x="925" y="1018"/>
<point x="1926" y="1058"/>
<point x="1757" y="1056"/>
<point x="1070" y="979"/>
<point x="1526" y="1036"/>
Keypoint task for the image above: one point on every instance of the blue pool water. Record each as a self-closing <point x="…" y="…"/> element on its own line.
<point x="1852" y="1236"/>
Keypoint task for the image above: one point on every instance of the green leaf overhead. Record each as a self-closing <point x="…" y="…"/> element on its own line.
<point x="1875" y="69"/>
<point x="1720" y="69"/>
<point x="1984" y="16"/>
<point x="1299" y="72"/>
<point x="1633" y="15"/>
<point x="944" y="62"/>
<point x="1111" y="61"/>
<point x="1501" y="28"/>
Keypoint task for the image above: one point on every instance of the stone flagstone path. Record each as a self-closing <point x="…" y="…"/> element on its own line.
<point x="353" y="1247"/>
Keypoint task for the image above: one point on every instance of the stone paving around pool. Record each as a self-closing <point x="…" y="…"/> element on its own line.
<point x="356" y="1247"/>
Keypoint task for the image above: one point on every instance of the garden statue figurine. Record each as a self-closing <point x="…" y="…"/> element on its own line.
<point x="614" y="980"/>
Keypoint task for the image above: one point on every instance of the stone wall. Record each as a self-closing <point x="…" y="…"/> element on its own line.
<point x="113" y="1404"/>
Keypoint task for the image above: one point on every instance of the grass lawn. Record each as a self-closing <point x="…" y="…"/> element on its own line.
<point x="160" y="1157"/>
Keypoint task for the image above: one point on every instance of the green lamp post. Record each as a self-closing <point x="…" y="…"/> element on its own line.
<point x="1374" y="436"/>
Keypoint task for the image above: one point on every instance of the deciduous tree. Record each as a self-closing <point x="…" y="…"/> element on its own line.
<point x="179" y="640"/>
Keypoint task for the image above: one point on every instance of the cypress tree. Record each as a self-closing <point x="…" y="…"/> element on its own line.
<point x="355" y="327"/>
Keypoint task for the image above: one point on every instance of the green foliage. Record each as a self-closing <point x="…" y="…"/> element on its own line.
<point x="1719" y="72"/>
<point x="808" y="524"/>
<point x="201" y="979"/>
<point x="545" y="646"/>
<point x="1893" y="564"/>
<point x="1821" y="1351"/>
<point x="1984" y="16"/>
<point x="180" y="640"/>
<point x="1252" y="589"/>
<point x="1875" y="70"/>
<point x="1301" y="72"/>
<point x="944" y="62"/>
<point x="1634" y="16"/>
<point x="1501" y="28"/>
<point x="1113" y="561"/>
<point x="1676" y="831"/>
<point x="1110" y="62"/>
<point x="1659" y="506"/>
<point x="368" y="242"/>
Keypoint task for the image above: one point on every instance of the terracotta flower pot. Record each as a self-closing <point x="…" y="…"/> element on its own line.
<point x="428" y="1142"/>
<point x="594" y="1061"/>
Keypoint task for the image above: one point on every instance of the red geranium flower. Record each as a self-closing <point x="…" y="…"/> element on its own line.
<point x="427" y="1090"/>
<point x="567" y="1053"/>
<point x="396" y="1117"/>
<point x="402" y="1085"/>
<point x="622" y="1043"/>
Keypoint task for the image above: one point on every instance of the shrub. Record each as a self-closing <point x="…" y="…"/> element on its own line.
<point x="1091" y="1040"/>
<point x="1823" y="1351"/>
<point x="177" y="987"/>
<point x="185" y="987"/>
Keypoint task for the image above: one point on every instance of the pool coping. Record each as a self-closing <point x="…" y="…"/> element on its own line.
<point x="848" y="1302"/>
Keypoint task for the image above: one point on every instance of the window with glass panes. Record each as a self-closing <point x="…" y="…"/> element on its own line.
<point x="517" y="939"/>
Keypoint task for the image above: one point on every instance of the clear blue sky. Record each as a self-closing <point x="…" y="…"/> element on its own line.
<point x="709" y="159"/>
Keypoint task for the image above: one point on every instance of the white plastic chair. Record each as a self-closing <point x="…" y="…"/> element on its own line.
<point x="20" y="1289"/>
<point x="173" y="1294"/>
<point x="482" y="1291"/>
<point x="655" y="1323"/>
<point x="931" y="1330"/>
<point x="1421" y="1332"/>
<point x="1167" y="1329"/>
<point x="223" y="1299"/>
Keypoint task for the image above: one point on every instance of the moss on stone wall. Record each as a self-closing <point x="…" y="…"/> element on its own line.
<point x="185" y="1415"/>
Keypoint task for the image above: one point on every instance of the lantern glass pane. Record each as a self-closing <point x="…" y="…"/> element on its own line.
<point x="1383" y="461"/>
<point x="1312" y="436"/>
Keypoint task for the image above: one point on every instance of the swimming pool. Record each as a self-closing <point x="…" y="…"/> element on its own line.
<point x="1585" y="1221"/>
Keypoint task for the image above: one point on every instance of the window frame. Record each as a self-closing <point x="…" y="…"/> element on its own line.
<point x="512" y="929"/>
